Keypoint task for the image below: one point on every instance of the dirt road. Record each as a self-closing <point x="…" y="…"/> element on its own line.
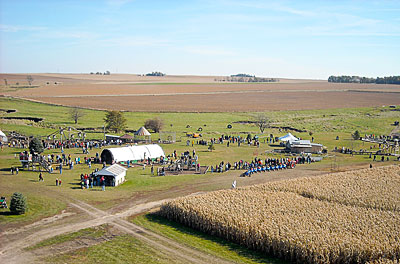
<point x="13" y="251"/>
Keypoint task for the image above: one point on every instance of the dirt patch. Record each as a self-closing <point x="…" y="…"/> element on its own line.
<point x="44" y="221"/>
<point x="243" y="102"/>
<point x="79" y="242"/>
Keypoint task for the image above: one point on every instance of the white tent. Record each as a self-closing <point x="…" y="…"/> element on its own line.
<point x="142" y="132"/>
<point x="288" y="137"/>
<point x="3" y="137"/>
<point x="113" y="175"/>
<point x="132" y="153"/>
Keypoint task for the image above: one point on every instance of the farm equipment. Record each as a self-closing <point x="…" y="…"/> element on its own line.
<point x="3" y="202"/>
<point x="193" y="135"/>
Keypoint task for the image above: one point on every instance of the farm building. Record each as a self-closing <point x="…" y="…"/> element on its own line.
<point x="304" y="146"/>
<point x="132" y="153"/>
<point x="112" y="138"/>
<point x="113" y="175"/>
<point x="3" y="137"/>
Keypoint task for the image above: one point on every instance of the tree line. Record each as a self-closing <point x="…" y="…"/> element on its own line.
<point x="155" y="74"/>
<point x="246" y="79"/>
<point x="358" y="79"/>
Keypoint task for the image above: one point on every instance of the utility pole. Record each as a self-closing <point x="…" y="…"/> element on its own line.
<point x="104" y="134"/>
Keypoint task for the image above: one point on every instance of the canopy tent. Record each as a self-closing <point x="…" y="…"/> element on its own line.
<point x="143" y="135"/>
<point x="126" y="138"/>
<point x="3" y="137"/>
<point x="288" y="137"/>
<point x="142" y="132"/>
<point x="132" y="153"/>
<point x="113" y="175"/>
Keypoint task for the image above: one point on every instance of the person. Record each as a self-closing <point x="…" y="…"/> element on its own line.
<point x="56" y="181"/>
<point x="370" y="166"/>
<point x="60" y="168"/>
<point x="234" y="184"/>
<point x="152" y="170"/>
<point x="41" y="177"/>
<point x="103" y="183"/>
<point x="59" y="182"/>
<point x="12" y="170"/>
<point x="16" y="170"/>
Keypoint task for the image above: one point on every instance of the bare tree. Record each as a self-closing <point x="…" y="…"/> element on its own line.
<point x="29" y="78"/>
<point x="76" y="114"/>
<point x="262" y="122"/>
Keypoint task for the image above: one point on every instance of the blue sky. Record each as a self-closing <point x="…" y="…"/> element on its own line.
<point x="294" y="39"/>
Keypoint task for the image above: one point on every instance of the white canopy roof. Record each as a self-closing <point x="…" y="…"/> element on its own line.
<point x="288" y="137"/>
<point x="142" y="132"/>
<point x="152" y="151"/>
<point x="113" y="170"/>
<point x="3" y="137"/>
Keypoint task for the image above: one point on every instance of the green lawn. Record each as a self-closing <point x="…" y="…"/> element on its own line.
<point x="203" y="242"/>
<point x="87" y="233"/>
<point x="121" y="249"/>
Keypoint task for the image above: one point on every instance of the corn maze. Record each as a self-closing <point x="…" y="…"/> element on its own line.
<point x="350" y="217"/>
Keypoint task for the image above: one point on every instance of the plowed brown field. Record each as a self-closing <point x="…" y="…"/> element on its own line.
<point x="198" y="93"/>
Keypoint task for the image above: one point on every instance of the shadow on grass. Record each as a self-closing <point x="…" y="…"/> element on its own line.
<point x="256" y="256"/>
<point x="7" y="213"/>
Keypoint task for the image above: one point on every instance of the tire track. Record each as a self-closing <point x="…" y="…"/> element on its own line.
<point x="13" y="251"/>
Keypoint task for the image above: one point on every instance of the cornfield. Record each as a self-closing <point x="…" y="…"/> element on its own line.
<point x="384" y="261"/>
<point x="328" y="219"/>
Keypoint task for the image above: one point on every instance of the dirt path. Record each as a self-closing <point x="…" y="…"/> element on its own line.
<point x="13" y="252"/>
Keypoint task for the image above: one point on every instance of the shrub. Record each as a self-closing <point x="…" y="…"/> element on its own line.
<point x="155" y="124"/>
<point x="36" y="146"/>
<point x="18" y="203"/>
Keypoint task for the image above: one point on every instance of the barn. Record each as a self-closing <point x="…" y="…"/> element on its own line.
<point x="132" y="153"/>
<point x="113" y="175"/>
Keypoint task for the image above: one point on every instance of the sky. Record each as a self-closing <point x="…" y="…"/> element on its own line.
<point x="281" y="39"/>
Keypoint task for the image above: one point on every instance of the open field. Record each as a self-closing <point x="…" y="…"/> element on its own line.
<point x="64" y="209"/>
<point x="198" y="93"/>
<point x="340" y="219"/>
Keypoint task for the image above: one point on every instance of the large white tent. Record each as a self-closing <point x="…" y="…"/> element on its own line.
<point x="3" y="137"/>
<point x="288" y="137"/>
<point x="132" y="153"/>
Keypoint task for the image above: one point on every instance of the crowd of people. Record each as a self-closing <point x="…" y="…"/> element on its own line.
<point x="229" y="139"/>
<point x="259" y="163"/>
